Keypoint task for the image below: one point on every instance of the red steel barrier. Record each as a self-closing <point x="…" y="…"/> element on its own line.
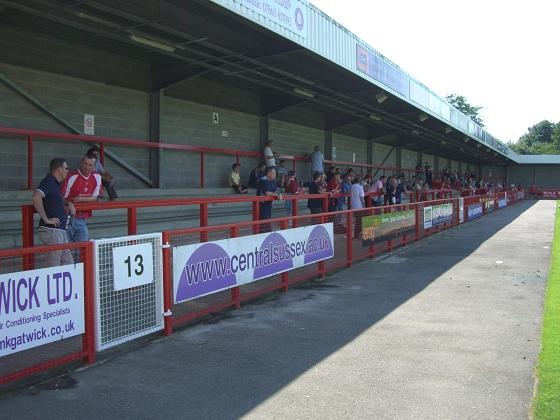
<point x="348" y="250"/>
<point x="34" y="135"/>
<point x="37" y="359"/>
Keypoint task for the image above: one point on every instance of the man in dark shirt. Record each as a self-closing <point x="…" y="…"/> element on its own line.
<point x="49" y="203"/>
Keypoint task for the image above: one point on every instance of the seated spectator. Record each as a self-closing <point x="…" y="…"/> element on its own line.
<point x="235" y="180"/>
<point x="107" y="180"/>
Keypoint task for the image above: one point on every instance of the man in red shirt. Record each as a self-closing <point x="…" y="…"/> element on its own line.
<point x="81" y="186"/>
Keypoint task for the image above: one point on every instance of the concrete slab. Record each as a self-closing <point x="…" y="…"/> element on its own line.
<point x="447" y="328"/>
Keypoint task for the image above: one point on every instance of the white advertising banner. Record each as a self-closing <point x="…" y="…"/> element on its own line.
<point x="461" y="210"/>
<point x="290" y="14"/>
<point x="210" y="267"/>
<point x="437" y="215"/>
<point x="40" y="306"/>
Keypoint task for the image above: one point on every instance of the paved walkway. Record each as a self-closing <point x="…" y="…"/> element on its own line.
<point x="447" y="328"/>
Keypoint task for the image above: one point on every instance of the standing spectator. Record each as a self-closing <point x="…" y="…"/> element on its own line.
<point x="292" y="188"/>
<point x="400" y="189"/>
<point x="390" y="187"/>
<point x="49" y="203"/>
<point x="82" y="186"/>
<point x="377" y="188"/>
<point x="357" y="202"/>
<point x="268" y="188"/>
<point x="315" y="205"/>
<point x="317" y="160"/>
<point x="281" y="174"/>
<point x="269" y="155"/>
<point x="235" y="180"/>
<point x="107" y="179"/>
<point x="345" y="188"/>
<point x="256" y="174"/>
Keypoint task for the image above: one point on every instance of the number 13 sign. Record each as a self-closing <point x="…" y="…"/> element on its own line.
<point x="133" y="265"/>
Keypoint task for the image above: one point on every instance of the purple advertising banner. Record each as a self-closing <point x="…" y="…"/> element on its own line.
<point x="210" y="267"/>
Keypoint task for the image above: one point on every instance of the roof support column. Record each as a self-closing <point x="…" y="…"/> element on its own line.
<point x="398" y="159"/>
<point x="369" y="152"/>
<point x="263" y="132"/>
<point x="155" y="130"/>
<point x="329" y="144"/>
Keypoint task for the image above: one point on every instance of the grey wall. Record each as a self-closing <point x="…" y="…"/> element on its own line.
<point x="189" y="123"/>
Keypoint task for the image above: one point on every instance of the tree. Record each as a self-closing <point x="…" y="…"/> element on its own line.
<point x="462" y="104"/>
<point x="541" y="139"/>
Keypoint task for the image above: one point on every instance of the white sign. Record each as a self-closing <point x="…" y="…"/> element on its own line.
<point x="334" y="153"/>
<point x="461" y="210"/>
<point x="133" y="265"/>
<point x="210" y="267"/>
<point x="89" y="124"/>
<point x="290" y="14"/>
<point x="40" y="306"/>
<point x="215" y="118"/>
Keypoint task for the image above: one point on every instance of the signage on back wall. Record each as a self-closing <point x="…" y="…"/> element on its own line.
<point x="290" y="14"/>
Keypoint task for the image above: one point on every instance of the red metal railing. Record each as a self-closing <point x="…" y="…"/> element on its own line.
<point x="33" y="135"/>
<point x="347" y="252"/>
<point x="17" y="365"/>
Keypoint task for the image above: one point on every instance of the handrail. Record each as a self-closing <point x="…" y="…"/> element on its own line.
<point x="31" y="135"/>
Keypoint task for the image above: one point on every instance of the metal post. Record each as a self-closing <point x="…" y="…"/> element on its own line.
<point x="235" y="291"/>
<point x="29" y="162"/>
<point x="88" y="339"/>
<point x="201" y="169"/>
<point x="203" y="222"/>
<point x="167" y="285"/>
<point x="132" y="223"/>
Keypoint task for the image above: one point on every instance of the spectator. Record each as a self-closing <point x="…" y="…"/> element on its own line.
<point x="345" y="187"/>
<point x="107" y="179"/>
<point x="49" y="203"/>
<point x="268" y="188"/>
<point x="317" y="160"/>
<point x="400" y="189"/>
<point x="281" y="174"/>
<point x="269" y="155"/>
<point x="256" y="174"/>
<point x="235" y="180"/>
<point x="315" y="205"/>
<point x="377" y="188"/>
<point x="357" y="202"/>
<point x="81" y="186"/>
<point x="292" y="188"/>
<point x="390" y="188"/>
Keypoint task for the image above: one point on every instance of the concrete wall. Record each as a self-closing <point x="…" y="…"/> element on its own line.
<point x="349" y="147"/>
<point x="186" y="122"/>
<point x="494" y="173"/>
<point x="409" y="159"/>
<point x="380" y="151"/>
<point x="119" y="112"/>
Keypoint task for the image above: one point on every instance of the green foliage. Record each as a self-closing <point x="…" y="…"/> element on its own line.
<point x="546" y="404"/>
<point x="462" y="104"/>
<point x="541" y="139"/>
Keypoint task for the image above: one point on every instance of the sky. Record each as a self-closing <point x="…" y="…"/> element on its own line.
<point x="500" y="55"/>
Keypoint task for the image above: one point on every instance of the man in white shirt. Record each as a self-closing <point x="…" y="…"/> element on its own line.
<point x="357" y="202"/>
<point x="269" y="155"/>
<point x="317" y="160"/>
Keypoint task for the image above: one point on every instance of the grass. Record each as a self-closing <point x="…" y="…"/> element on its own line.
<point x="546" y="405"/>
